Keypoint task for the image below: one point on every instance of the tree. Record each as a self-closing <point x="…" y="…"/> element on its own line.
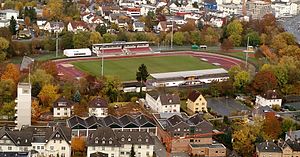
<point x="272" y="127"/>
<point x="178" y="38"/>
<point x="50" y="68"/>
<point x="141" y="75"/>
<point x="41" y="76"/>
<point x="81" y="39"/>
<point x="108" y="38"/>
<point x="7" y="90"/>
<point x="254" y="38"/>
<point x="95" y="38"/>
<point x="67" y="40"/>
<point x="27" y="21"/>
<point x="11" y="72"/>
<point x="241" y="80"/>
<point x="132" y="152"/>
<point x="189" y="26"/>
<point x="234" y="30"/>
<point x="282" y="40"/>
<point x="243" y="141"/>
<point x="48" y="94"/>
<point x="5" y="33"/>
<point x="55" y="8"/>
<point x="111" y="88"/>
<point x="4" y="44"/>
<point x="8" y="109"/>
<point x="101" y="28"/>
<point x="195" y="37"/>
<point x="13" y="26"/>
<point x="35" y="110"/>
<point x="263" y="81"/>
<point x="233" y="71"/>
<point x="236" y="39"/>
<point x="226" y="45"/>
<point x="78" y="144"/>
<point x="35" y="89"/>
<point x="77" y="96"/>
<point x="288" y="124"/>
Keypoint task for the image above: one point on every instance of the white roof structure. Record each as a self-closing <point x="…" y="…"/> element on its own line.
<point x="185" y="74"/>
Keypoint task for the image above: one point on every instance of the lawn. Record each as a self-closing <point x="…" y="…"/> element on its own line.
<point x="126" y="69"/>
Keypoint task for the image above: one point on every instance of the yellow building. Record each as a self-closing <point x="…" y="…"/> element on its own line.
<point x="196" y="102"/>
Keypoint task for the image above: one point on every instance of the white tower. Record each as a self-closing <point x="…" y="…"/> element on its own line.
<point x="23" y="107"/>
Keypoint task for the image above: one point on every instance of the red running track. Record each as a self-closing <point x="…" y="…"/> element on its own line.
<point x="225" y="62"/>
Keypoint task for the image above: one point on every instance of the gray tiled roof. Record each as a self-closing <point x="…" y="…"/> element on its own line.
<point x="268" y="147"/>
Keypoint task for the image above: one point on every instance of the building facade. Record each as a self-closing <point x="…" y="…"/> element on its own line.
<point x="162" y="102"/>
<point x="23" y="107"/>
<point x="196" y="102"/>
<point x="269" y="98"/>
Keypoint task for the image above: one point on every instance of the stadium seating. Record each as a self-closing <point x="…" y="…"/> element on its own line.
<point x="112" y="51"/>
<point x="139" y="49"/>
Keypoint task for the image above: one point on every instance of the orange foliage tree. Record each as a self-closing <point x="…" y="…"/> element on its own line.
<point x="78" y="144"/>
<point x="272" y="127"/>
<point x="35" y="110"/>
<point x="11" y="72"/>
<point x="50" y="68"/>
<point x="48" y="94"/>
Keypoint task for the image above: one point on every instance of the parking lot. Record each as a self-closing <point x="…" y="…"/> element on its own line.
<point x="227" y="106"/>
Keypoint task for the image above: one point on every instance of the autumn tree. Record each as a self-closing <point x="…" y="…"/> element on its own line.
<point x="50" y="68"/>
<point x="226" y="45"/>
<point x="101" y="28"/>
<point x="67" y="40"/>
<point x="241" y="80"/>
<point x="108" y="38"/>
<point x="27" y="21"/>
<point x="234" y="30"/>
<point x="11" y="72"/>
<point x="263" y="81"/>
<point x="48" y="94"/>
<point x="268" y="53"/>
<point x="78" y="144"/>
<point x="55" y="8"/>
<point x="254" y="38"/>
<point x="189" y="26"/>
<point x="8" y="109"/>
<point x="272" y="127"/>
<point x="283" y="40"/>
<point x="35" y="110"/>
<point x="95" y="37"/>
<point x="111" y="88"/>
<point x="178" y="38"/>
<point x="288" y="124"/>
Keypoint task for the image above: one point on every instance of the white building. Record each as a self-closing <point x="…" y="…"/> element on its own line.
<point x="8" y="13"/>
<point x="75" y="26"/>
<point x="98" y="107"/>
<point x="270" y="98"/>
<point x="54" y="27"/>
<point x="23" y="106"/>
<point x="162" y="102"/>
<point x="146" y="8"/>
<point x="231" y="9"/>
<point x="284" y="9"/>
<point x="139" y="26"/>
<point x="62" y="108"/>
<point x="119" y="143"/>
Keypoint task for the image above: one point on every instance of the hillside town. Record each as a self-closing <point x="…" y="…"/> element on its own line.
<point x="147" y="78"/>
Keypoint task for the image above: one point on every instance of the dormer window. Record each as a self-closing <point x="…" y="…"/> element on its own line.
<point x="103" y="142"/>
<point x="122" y="139"/>
<point x="129" y="139"/>
<point x="139" y="140"/>
<point x="57" y="135"/>
<point x="110" y="142"/>
<point x="96" y="140"/>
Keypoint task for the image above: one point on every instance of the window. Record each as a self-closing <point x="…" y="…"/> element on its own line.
<point x="42" y="147"/>
<point x="103" y="148"/>
<point x="57" y="135"/>
<point x="122" y="153"/>
<point x="63" y="148"/>
<point x="139" y="146"/>
<point x="147" y="153"/>
<point x="112" y="155"/>
<point x="93" y="148"/>
<point x="148" y="147"/>
<point x="197" y="104"/>
<point x="65" y="109"/>
<point x="33" y="147"/>
<point x="110" y="142"/>
<point x="129" y="139"/>
<point x="65" y="114"/>
<point x="25" y="91"/>
<point x="51" y="147"/>
<point x="103" y="142"/>
<point x="9" y="148"/>
<point x="38" y="147"/>
<point x="58" y="113"/>
<point x="54" y="141"/>
<point x="58" y="109"/>
<point x="59" y="141"/>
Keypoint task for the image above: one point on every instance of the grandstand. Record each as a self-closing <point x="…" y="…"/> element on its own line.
<point x="121" y="47"/>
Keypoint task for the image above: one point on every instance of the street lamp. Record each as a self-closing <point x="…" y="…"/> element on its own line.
<point x="56" y="29"/>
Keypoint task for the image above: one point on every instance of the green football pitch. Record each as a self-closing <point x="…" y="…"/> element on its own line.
<point x="125" y="68"/>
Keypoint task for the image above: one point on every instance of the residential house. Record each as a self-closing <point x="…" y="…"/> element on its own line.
<point x="91" y="19"/>
<point x="145" y="8"/>
<point x="7" y="14"/>
<point x="289" y="148"/>
<point x="98" y="107"/>
<point x="98" y="154"/>
<point x="196" y="102"/>
<point x="106" y="10"/>
<point x="75" y="26"/>
<point x="54" y="27"/>
<point x="164" y="26"/>
<point x="268" y="149"/>
<point x="133" y="12"/>
<point x="138" y="26"/>
<point x="122" y="22"/>
<point x="119" y="144"/>
<point x="82" y="127"/>
<point x="261" y="111"/>
<point x="292" y="135"/>
<point x="210" y="4"/>
<point x="197" y="132"/>
<point x="163" y="102"/>
<point x="4" y="23"/>
<point x="62" y="108"/>
<point x="269" y="98"/>
<point x="41" y="24"/>
<point x="36" y="141"/>
<point x="258" y="9"/>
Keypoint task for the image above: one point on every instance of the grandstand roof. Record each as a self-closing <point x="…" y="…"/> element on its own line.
<point x="185" y="74"/>
<point x="121" y="43"/>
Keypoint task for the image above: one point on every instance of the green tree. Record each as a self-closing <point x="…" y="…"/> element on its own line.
<point x="234" y="27"/>
<point x="178" y="38"/>
<point x="8" y="109"/>
<point x="288" y="124"/>
<point x="82" y="39"/>
<point x="241" y="80"/>
<point x="101" y="28"/>
<point x="108" y="38"/>
<point x="132" y="152"/>
<point x="254" y="38"/>
<point x="13" y="26"/>
<point x="55" y="8"/>
<point x="7" y="90"/>
<point x="236" y="39"/>
<point x="36" y="88"/>
<point x="77" y="96"/>
<point x="40" y="76"/>
<point x="67" y="40"/>
<point x="4" y="44"/>
<point x="142" y="75"/>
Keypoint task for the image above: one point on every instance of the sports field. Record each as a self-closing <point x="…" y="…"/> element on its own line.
<point x="126" y="68"/>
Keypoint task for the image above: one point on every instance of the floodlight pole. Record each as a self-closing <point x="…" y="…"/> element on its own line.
<point x="102" y="68"/>
<point x="172" y="34"/>
<point x="247" y="53"/>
